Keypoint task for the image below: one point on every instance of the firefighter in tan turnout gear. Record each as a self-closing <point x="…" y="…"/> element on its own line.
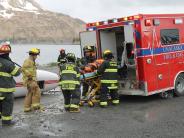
<point x="69" y="82"/>
<point x="32" y="99"/>
<point x="7" y="84"/>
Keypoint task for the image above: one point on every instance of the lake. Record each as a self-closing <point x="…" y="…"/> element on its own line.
<point x="48" y="53"/>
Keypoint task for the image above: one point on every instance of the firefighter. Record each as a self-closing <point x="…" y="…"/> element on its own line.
<point x="69" y="83"/>
<point x="32" y="99"/>
<point x="109" y="82"/>
<point x="7" y="84"/>
<point x="89" y="54"/>
<point x="62" y="57"/>
<point x="89" y="57"/>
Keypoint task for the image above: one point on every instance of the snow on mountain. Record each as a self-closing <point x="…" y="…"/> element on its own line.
<point x="8" y="7"/>
<point x="24" y="21"/>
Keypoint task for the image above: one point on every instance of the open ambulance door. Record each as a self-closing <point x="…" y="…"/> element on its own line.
<point x="129" y="80"/>
<point x="130" y="56"/>
<point x="87" y="38"/>
<point x="129" y="45"/>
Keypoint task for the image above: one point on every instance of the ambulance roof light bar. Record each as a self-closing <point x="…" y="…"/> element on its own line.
<point x="114" y="20"/>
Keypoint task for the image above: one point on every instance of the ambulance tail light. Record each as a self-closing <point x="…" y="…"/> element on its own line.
<point x="178" y="21"/>
<point x="148" y="22"/>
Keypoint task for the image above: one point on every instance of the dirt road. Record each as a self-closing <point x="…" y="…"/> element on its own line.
<point x="135" y="117"/>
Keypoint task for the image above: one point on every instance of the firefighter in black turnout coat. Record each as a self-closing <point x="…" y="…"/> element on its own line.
<point x="109" y="79"/>
<point x="69" y="75"/>
<point x="7" y="84"/>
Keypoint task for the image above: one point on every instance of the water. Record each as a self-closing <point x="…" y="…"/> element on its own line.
<point x="48" y="53"/>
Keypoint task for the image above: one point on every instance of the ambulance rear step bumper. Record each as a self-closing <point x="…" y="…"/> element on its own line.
<point x="132" y="92"/>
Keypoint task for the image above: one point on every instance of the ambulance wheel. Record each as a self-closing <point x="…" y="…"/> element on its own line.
<point x="90" y="104"/>
<point x="179" y="85"/>
<point x="167" y="95"/>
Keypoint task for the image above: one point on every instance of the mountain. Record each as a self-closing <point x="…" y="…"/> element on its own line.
<point x="25" y="21"/>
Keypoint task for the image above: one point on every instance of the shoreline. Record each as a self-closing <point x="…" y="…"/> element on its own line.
<point x="46" y="43"/>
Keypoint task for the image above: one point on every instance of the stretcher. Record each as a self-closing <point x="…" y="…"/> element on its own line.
<point x="92" y="94"/>
<point x="88" y="76"/>
<point x="91" y="78"/>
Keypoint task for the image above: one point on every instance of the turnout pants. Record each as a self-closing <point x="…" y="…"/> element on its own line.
<point x="103" y="95"/>
<point x="32" y="99"/>
<point x="71" y="97"/>
<point x="6" y="106"/>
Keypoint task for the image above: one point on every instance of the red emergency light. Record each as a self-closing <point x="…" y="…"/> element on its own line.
<point x="87" y="25"/>
<point x="136" y="17"/>
<point x="113" y="21"/>
<point x="148" y="22"/>
<point x="122" y="19"/>
<point x="130" y="17"/>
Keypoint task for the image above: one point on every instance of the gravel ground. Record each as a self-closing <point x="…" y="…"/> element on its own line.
<point x="135" y="117"/>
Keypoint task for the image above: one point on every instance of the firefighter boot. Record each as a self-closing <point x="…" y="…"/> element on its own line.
<point x="8" y="122"/>
<point x="103" y="104"/>
<point x="74" y="108"/>
<point x="67" y="108"/>
<point x="115" y="102"/>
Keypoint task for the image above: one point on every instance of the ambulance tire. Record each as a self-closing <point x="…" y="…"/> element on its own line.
<point x="179" y="85"/>
<point x="167" y="95"/>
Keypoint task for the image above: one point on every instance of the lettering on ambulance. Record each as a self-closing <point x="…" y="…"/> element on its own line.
<point x="173" y="55"/>
<point x="169" y="49"/>
<point x="172" y="48"/>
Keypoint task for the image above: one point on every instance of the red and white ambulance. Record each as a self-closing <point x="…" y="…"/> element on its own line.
<point x="151" y="45"/>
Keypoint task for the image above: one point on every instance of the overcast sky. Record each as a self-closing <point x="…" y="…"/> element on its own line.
<point x="96" y="10"/>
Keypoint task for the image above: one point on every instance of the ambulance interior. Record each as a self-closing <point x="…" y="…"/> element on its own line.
<point x="120" y="41"/>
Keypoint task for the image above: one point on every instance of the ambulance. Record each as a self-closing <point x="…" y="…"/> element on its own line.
<point x="149" y="49"/>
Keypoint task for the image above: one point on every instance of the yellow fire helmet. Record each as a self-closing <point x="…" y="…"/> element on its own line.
<point x="34" y="51"/>
<point x="107" y="52"/>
